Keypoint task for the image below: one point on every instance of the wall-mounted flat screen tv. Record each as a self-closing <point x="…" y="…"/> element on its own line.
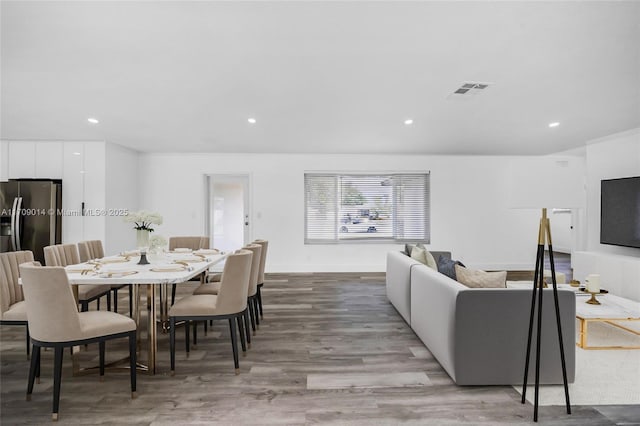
<point x="620" y="212"/>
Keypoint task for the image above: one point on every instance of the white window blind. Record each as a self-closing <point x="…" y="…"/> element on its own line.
<point x="373" y="207"/>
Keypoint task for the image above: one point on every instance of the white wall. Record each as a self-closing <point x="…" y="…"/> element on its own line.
<point x="121" y="194"/>
<point x="615" y="156"/>
<point x="469" y="210"/>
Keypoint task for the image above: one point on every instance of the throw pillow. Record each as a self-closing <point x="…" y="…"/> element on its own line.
<point x="408" y="248"/>
<point x="481" y="279"/>
<point x="431" y="261"/>
<point x="447" y="267"/>
<point x="423" y="256"/>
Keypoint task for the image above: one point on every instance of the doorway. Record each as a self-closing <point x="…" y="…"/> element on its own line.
<point x="228" y="211"/>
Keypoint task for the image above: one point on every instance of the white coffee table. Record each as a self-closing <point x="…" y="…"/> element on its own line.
<point x="612" y="310"/>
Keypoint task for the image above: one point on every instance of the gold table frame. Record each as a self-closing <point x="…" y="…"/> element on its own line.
<point x="611" y="310"/>
<point x="584" y="327"/>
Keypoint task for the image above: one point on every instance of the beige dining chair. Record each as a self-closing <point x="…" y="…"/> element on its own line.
<point x="252" y="300"/>
<point x="54" y="322"/>
<point x="12" y="307"/>
<point x="190" y="242"/>
<point x="263" y="262"/>
<point x="93" y="249"/>
<point x="230" y="303"/>
<point x="67" y="254"/>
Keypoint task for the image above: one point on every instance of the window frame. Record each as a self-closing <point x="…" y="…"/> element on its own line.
<point x="426" y="203"/>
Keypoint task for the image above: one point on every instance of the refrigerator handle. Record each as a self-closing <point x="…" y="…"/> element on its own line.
<point x="18" y="220"/>
<point x="13" y="224"/>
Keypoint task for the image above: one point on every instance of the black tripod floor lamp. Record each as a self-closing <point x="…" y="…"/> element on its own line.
<point x="540" y="183"/>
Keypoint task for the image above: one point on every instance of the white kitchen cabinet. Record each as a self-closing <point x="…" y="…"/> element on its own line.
<point x="72" y="192"/>
<point x="4" y="161"/>
<point x="22" y="159"/>
<point x="48" y="160"/>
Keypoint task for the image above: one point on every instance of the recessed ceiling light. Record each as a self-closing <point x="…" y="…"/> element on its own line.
<point x="76" y="153"/>
<point x="554" y="124"/>
<point x="93" y="120"/>
<point x="251" y="120"/>
<point x="408" y="122"/>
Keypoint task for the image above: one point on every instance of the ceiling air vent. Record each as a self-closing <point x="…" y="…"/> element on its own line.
<point x="470" y="88"/>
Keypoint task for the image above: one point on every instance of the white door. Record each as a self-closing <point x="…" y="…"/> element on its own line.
<point x="228" y="213"/>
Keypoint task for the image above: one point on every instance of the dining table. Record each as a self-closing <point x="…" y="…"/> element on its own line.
<point x="152" y="279"/>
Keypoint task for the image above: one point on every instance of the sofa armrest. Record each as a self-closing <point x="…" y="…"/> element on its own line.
<point x="491" y="327"/>
<point x="399" y="282"/>
<point x="433" y="310"/>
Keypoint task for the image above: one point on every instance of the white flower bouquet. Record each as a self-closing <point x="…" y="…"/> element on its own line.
<point x="143" y="220"/>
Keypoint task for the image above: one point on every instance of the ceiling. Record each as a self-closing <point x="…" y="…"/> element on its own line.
<point x="321" y="77"/>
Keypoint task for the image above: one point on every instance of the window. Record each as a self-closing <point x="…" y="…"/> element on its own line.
<point x="381" y="207"/>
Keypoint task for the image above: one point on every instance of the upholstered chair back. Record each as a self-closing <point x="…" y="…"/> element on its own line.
<point x="234" y="285"/>
<point x="61" y="255"/>
<point x="51" y="308"/>
<point x="91" y="249"/>
<point x="263" y="258"/>
<point x="194" y="243"/>
<point x="256" y="249"/>
<point x="10" y="289"/>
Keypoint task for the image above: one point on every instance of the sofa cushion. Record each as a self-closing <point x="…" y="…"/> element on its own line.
<point x="480" y="279"/>
<point x="447" y="266"/>
<point x="422" y="255"/>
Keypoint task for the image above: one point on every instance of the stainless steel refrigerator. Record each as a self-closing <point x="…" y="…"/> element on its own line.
<point x="31" y="216"/>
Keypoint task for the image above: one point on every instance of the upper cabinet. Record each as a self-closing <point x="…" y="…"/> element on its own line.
<point x="48" y="164"/>
<point x="22" y="160"/>
<point x="27" y="160"/>
<point x="4" y="161"/>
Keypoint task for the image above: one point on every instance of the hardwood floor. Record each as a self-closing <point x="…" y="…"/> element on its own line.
<point x="331" y="350"/>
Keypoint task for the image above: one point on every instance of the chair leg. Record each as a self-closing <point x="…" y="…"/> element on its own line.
<point x="101" y="346"/>
<point x="247" y="327"/>
<point x="206" y="326"/>
<point x="252" y="315"/>
<point x="38" y="367"/>
<point x="115" y="300"/>
<point x="195" y="334"/>
<point x="234" y="344"/>
<point x="35" y="361"/>
<point x="131" y="300"/>
<point x="57" y="377"/>
<point x="28" y="340"/>
<point x="85" y="306"/>
<point x="242" y="338"/>
<point x="186" y="337"/>
<point x="259" y="294"/>
<point x="108" y="300"/>
<point x="172" y="343"/>
<point x="97" y="304"/>
<point x="254" y="300"/>
<point x="133" y="362"/>
<point x="173" y="294"/>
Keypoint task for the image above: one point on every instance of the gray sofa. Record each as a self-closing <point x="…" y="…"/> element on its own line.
<point x="479" y="336"/>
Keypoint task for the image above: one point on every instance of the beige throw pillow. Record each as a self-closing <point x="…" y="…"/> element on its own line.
<point x="422" y="255"/>
<point x="481" y="279"/>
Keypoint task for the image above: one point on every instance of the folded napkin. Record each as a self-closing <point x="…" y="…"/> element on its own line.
<point x="206" y="251"/>
<point x="169" y="268"/>
<point x="117" y="274"/>
<point x="182" y="250"/>
<point x="130" y="253"/>
<point x="78" y="270"/>
<point x="106" y="260"/>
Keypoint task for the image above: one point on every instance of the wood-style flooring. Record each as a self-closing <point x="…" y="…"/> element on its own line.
<point x="330" y="350"/>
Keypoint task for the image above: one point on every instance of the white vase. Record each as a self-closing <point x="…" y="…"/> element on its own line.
<point x="142" y="238"/>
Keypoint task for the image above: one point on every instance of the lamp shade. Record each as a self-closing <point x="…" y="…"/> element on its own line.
<point x="546" y="182"/>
